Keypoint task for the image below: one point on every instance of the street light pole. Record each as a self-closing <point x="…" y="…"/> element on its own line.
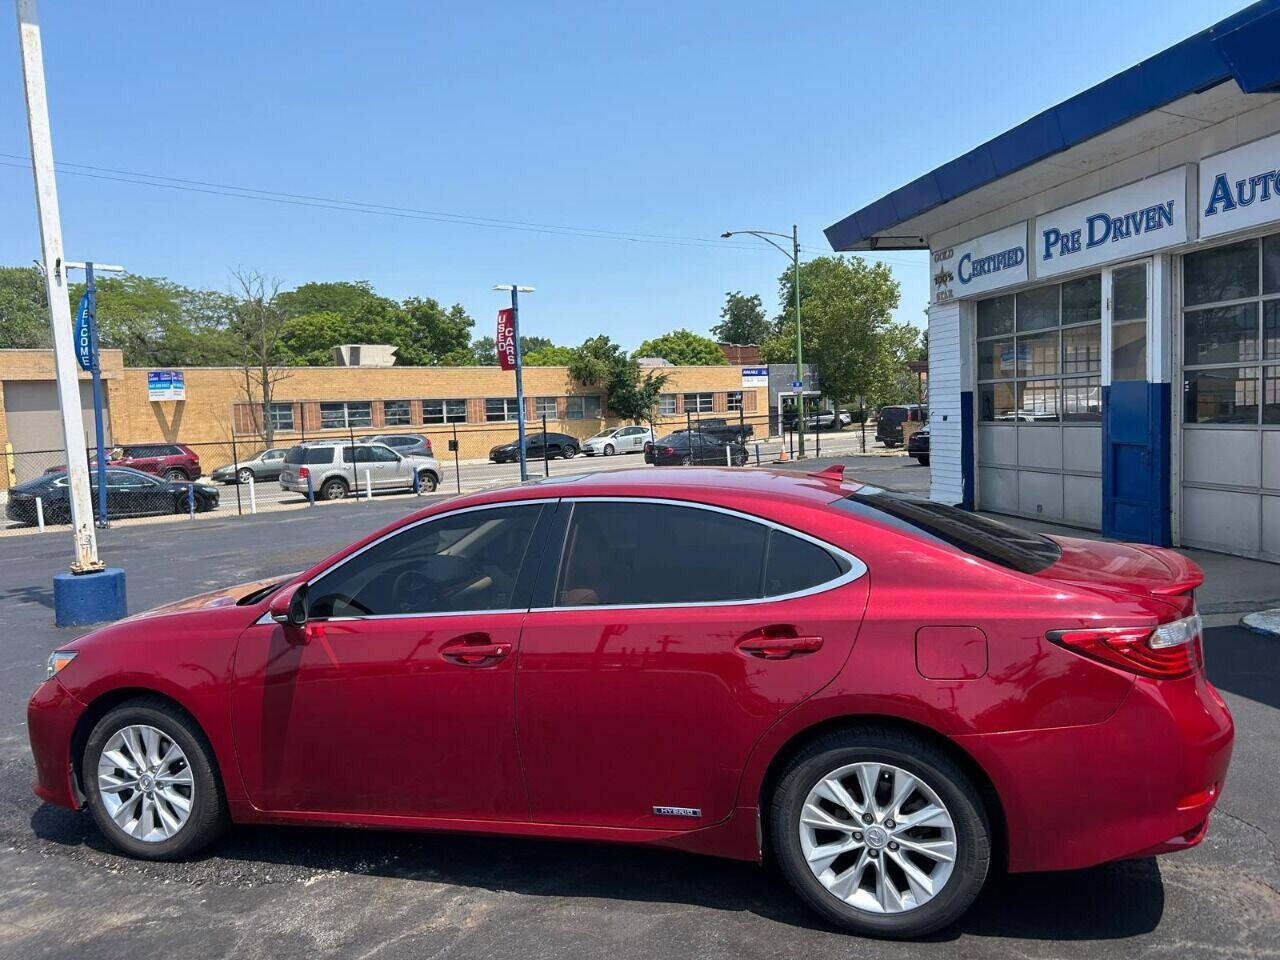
<point x="515" y="333"/>
<point x="794" y="257"/>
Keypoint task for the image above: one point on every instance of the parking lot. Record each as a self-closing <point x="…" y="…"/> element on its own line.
<point x="288" y="892"/>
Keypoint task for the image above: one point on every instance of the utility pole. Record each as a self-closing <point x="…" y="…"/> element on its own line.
<point x="87" y="594"/>
<point x="515" y="332"/>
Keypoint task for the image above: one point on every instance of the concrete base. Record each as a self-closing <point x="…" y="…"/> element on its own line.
<point x="1265" y="622"/>
<point x="79" y="599"/>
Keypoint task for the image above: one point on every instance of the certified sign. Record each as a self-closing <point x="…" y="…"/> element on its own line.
<point x="1239" y="188"/>
<point x="1127" y="222"/>
<point x="166" y="385"/>
<point x="755" y="376"/>
<point x="984" y="263"/>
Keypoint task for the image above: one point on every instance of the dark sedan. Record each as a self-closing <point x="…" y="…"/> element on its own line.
<point x="686" y="449"/>
<point x="130" y="493"/>
<point x="556" y="445"/>
<point x="918" y="446"/>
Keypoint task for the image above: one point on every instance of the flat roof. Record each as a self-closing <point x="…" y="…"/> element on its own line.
<point x="1241" y="48"/>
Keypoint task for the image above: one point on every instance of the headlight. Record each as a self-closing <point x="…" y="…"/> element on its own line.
<point x="58" y="660"/>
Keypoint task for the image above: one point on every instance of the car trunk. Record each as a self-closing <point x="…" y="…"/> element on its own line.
<point x="1127" y="568"/>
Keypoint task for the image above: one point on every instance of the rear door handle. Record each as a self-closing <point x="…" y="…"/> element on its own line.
<point x="474" y="650"/>
<point x="767" y="646"/>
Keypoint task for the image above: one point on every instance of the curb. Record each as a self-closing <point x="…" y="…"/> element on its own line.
<point x="1264" y="622"/>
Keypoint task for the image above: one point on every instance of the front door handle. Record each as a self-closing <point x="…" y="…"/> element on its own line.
<point x="775" y="644"/>
<point x="474" y="650"/>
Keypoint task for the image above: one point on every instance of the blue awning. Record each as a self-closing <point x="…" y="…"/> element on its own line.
<point x="1244" y="47"/>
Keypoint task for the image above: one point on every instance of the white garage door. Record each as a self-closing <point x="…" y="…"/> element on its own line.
<point x="1231" y="398"/>
<point x="1039" y="437"/>
<point x="35" y="425"/>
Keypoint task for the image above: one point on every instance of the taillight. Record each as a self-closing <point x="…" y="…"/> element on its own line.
<point x="668" y="450"/>
<point x="426" y="444"/>
<point x="303" y="473"/>
<point x="1165" y="652"/>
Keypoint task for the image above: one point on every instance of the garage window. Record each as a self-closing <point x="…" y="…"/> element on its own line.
<point x="1040" y="354"/>
<point x="1231" y="334"/>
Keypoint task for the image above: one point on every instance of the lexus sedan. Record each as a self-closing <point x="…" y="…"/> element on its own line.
<point x="891" y="696"/>
<point x="130" y="493"/>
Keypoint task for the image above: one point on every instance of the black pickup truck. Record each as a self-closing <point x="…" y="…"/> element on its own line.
<point x="724" y="431"/>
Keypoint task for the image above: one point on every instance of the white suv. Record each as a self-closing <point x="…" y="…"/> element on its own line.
<point x="334" y="469"/>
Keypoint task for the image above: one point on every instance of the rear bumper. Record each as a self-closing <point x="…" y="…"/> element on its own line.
<point x="1140" y="783"/>
<point x="51" y="720"/>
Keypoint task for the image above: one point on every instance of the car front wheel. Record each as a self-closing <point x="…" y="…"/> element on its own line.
<point x="244" y="475"/>
<point x="427" y="481"/>
<point x="151" y="784"/>
<point x="608" y="450"/>
<point x="881" y="832"/>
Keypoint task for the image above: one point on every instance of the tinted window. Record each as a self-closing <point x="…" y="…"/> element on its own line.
<point x="461" y="562"/>
<point x="975" y="535"/>
<point x="794" y="564"/>
<point x="893" y="413"/>
<point x="649" y="553"/>
<point x="309" y="455"/>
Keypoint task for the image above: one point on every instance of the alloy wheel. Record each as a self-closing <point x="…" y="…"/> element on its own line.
<point x="146" y="783"/>
<point x="877" y="837"/>
<point x="245" y="475"/>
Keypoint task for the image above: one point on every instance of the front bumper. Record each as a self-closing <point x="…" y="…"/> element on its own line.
<point x="51" y="720"/>
<point x="1142" y="782"/>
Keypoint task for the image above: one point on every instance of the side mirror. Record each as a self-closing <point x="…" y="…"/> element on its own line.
<point x="289" y="606"/>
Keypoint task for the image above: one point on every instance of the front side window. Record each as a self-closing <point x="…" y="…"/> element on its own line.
<point x="456" y="563"/>
<point x="346" y="413"/>
<point x="395" y="413"/>
<point x="698" y="403"/>
<point x="444" y="411"/>
<point x="498" y="409"/>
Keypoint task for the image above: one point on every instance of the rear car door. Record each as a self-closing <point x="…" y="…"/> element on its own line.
<point x="633" y="439"/>
<point x="665" y="643"/>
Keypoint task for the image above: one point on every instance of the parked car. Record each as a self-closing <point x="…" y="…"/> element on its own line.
<point x="333" y="469"/>
<point x="414" y="443"/>
<point x="557" y="445"/>
<point x="890" y="419"/>
<point x="130" y="493"/>
<point x="685" y="448"/>
<point x="725" y="431"/>
<point x="1013" y="702"/>
<point x="173" y="461"/>
<point x="828" y="420"/>
<point x="616" y="440"/>
<point x="918" y="446"/>
<point x="264" y="465"/>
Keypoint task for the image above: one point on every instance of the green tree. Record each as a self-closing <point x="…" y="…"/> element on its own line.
<point x="354" y="313"/>
<point x="24" y="312"/>
<point x="900" y="343"/>
<point x="846" y="306"/>
<point x="684" y="349"/>
<point x="742" y="319"/>
<point x="629" y="392"/>
<point x="485" y="352"/>
<point x="547" y="356"/>
<point x="308" y="340"/>
<point x="435" y="336"/>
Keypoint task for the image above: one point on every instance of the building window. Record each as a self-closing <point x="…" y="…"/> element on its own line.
<point x="697" y="403"/>
<point x="545" y="407"/>
<point x="395" y="413"/>
<point x="1040" y="354"/>
<point x="582" y="408"/>
<point x="497" y="409"/>
<point x="346" y="414"/>
<point x="281" y="416"/>
<point x="444" y="411"/>
<point x="733" y="401"/>
<point x="1231" y="350"/>
<point x="667" y="404"/>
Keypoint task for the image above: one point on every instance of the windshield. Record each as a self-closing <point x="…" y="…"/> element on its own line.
<point x="603" y="434"/>
<point x="967" y="532"/>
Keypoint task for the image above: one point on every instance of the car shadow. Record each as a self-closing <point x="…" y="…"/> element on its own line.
<point x="1078" y="905"/>
<point x="1244" y="663"/>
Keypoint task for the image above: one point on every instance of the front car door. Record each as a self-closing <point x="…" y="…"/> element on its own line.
<point x="647" y="667"/>
<point x="388" y="469"/>
<point x="401" y="701"/>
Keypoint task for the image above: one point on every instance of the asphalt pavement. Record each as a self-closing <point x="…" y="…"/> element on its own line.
<point x="281" y="893"/>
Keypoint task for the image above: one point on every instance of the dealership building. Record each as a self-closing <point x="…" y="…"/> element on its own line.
<point x="1104" y="319"/>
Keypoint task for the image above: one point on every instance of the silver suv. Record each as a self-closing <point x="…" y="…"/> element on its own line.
<point x="337" y="468"/>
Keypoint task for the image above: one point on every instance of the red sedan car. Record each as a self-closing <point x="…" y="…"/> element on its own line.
<point x="883" y="693"/>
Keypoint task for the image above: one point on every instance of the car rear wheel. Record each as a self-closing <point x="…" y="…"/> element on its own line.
<point x="686" y="460"/>
<point x="881" y="832"/>
<point x="335" y="489"/>
<point x="151" y="784"/>
<point x="608" y="450"/>
<point x="569" y="451"/>
<point x="244" y="475"/>
<point x="427" y="481"/>
<point x="176" y="475"/>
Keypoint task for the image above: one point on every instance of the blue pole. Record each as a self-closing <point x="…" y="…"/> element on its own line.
<point x="92" y="316"/>
<point x="515" y="332"/>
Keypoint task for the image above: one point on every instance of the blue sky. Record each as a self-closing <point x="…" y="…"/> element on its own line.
<point x="673" y="119"/>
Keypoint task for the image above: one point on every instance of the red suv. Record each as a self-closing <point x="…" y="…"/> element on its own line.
<point x="173" y="461"/>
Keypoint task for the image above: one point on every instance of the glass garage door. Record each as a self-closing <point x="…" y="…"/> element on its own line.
<point x="1231" y="398"/>
<point x="1039" y="442"/>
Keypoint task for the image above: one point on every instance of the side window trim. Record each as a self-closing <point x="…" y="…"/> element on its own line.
<point x="546" y="592"/>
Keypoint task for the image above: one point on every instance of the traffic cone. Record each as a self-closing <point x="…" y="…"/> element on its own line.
<point x="782" y="456"/>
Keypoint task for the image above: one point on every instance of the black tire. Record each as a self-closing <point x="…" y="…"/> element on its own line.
<point x="334" y="488"/>
<point x="244" y="475"/>
<point x="428" y="481"/>
<point x="568" y="451"/>
<point x="608" y="450"/>
<point x="208" y="817"/>
<point x="923" y="460"/>
<point x="176" y="475"/>
<point x="923" y="760"/>
<point x="686" y="460"/>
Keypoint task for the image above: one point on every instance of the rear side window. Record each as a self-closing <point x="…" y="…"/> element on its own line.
<point x="654" y="553"/>
<point x="309" y="455"/>
<point x="990" y="540"/>
<point x="795" y="564"/>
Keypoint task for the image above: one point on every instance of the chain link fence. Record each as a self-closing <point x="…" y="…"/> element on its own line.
<point x="245" y="476"/>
